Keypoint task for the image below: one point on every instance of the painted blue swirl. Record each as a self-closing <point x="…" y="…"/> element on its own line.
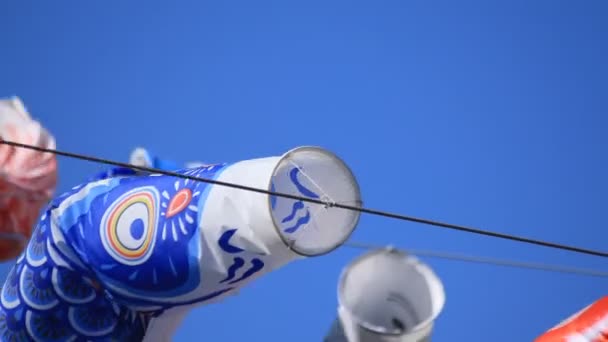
<point x="237" y="264"/>
<point x="256" y="266"/>
<point x="293" y="175"/>
<point x="224" y="242"/>
<point x="301" y="221"/>
<point x="298" y="205"/>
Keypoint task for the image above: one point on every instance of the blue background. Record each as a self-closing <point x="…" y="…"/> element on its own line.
<point x="491" y="114"/>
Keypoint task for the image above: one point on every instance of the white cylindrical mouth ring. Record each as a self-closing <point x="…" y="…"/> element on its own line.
<point x="387" y="292"/>
<point x="313" y="229"/>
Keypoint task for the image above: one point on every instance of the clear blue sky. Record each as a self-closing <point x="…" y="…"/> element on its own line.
<point x="491" y="114"/>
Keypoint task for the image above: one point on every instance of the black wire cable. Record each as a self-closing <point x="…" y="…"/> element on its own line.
<point x="316" y="201"/>
<point x="486" y="260"/>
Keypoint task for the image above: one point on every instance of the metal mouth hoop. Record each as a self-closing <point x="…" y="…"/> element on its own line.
<point x="371" y="327"/>
<point x="290" y="244"/>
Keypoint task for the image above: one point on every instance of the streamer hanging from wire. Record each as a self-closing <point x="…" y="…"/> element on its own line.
<point x="316" y="201"/>
<point x="27" y="177"/>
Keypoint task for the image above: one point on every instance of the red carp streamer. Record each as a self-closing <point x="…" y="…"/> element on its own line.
<point x="27" y="177"/>
<point x="588" y="325"/>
